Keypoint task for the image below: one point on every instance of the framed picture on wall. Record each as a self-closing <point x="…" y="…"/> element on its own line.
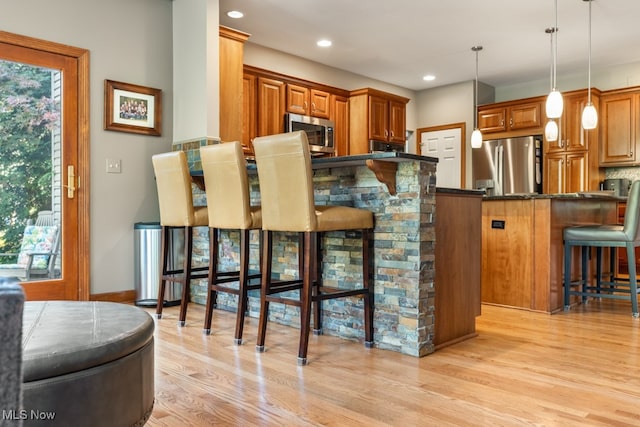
<point x="132" y="108"/>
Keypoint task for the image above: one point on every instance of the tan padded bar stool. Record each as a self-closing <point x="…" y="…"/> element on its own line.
<point x="177" y="211"/>
<point x="286" y="191"/>
<point x="605" y="236"/>
<point x="227" y="187"/>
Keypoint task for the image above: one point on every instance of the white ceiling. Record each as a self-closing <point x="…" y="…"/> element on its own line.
<point x="399" y="41"/>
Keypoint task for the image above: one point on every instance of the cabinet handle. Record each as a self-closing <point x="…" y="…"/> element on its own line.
<point x="304" y="104"/>
<point x="386" y="133"/>
<point x="511" y="122"/>
<point x="502" y="122"/>
<point x="392" y="135"/>
<point x="562" y="143"/>
<point x="313" y="106"/>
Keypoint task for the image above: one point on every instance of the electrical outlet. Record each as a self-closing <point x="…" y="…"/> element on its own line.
<point x="114" y="165"/>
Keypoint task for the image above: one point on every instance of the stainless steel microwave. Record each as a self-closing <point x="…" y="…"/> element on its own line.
<point x="319" y="131"/>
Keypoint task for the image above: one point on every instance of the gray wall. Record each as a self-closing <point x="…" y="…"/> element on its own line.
<point x="129" y="41"/>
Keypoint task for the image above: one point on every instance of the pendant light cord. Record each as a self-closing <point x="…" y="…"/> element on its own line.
<point x="554" y="35"/>
<point x="589" y="73"/>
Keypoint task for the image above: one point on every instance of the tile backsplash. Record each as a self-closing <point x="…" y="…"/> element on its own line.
<point x="631" y="173"/>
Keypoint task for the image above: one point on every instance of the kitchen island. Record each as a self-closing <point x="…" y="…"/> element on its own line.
<point x="522" y="256"/>
<point x="409" y="293"/>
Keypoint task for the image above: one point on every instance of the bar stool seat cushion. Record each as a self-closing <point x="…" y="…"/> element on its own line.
<point x="89" y="363"/>
<point x="600" y="233"/>
<point x="330" y="218"/>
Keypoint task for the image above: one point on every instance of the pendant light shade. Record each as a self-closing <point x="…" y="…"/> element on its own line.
<point x="555" y="104"/>
<point x="476" y="135"/>
<point x="589" y="117"/>
<point x="589" y="114"/>
<point x="476" y="138"/>
<point x="551" y="131"/>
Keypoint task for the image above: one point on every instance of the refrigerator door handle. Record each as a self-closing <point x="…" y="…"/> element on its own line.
<point x="499" y="153"/>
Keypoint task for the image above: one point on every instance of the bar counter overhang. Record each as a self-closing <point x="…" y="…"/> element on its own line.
<point x="400" y="189"/>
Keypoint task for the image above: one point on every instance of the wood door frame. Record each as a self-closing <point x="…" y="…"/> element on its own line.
<point x="463" y="144"/>
<point x="82" y="168"/>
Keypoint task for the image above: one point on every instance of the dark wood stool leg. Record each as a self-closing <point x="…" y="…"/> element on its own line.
<point x="305" y="299"/>
<point x="164" y="254"/>
<point x="633" y="282"/>
<point x="585" y="264"/>
<point x="366" y="284"/>
<point x="212" y="295"/>
<point x="567" y="275"/>
<point x="186" y="282"/>
<point x="243" y="283"/>
<point x="316" y="279"/>
<point x="267" y="250"/>
<point x="598" y="269"/>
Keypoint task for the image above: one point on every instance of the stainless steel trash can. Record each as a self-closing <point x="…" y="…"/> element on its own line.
<point x="146" y="251"/>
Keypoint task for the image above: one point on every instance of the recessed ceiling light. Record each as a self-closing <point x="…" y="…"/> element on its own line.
<point x="429" y="77"/>
<point x="324" y="43"/>
<point x="235" y="14"/>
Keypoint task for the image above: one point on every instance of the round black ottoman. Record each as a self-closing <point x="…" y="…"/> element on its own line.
<point x="86" y="364"/>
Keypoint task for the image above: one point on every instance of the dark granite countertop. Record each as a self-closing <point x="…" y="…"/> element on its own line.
<point x="459" y="191"/>
<point x="601" y="195"/>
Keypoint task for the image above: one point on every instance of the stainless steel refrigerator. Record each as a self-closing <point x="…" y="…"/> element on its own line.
<point x="508" y="166"/>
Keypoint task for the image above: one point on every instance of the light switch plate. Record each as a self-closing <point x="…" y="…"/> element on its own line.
<point x="114" y="165"/>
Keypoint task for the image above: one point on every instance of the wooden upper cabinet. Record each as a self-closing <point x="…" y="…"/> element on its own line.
<point x="508" y="117"/>
<point x="619" y="124"/>
<point x="378" y="118"/>
<point x="271" y="106"/>
<point x="249" y="111"/>
<point x="492" y="119"/>
<point x="397" y="122"/>
<point x="340" y="117"/>
<point x="320" y="103"/>
<point x="375" y="115"/>
<point x="231" y="54"/>
<point x="525" y="116"/>
<point x="297" y="99"/>
<point x="308" y="101"/>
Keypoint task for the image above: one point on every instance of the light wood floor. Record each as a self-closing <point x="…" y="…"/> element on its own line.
<point x="580" y="368"/>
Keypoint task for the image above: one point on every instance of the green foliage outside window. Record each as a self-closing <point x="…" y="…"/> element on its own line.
<point x="28" y="114"/>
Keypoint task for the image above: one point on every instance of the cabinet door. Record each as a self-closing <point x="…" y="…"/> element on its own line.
<point x="619" y="131"/>
<point x="576" y="178"/>
<point x="397" y="122"/>
<point x="525" y="116"/>
<point x="320" y="103"/>
<point x="492" y="120"/>
<point x="340" y="119"/>
<point x="554" y="173"/>
<point x="378" y="118"/>
<point x="271" y="103"/>
<point x="297" y="99"/>
<point x="572" y="136"/>
<point x="249" y="111"/>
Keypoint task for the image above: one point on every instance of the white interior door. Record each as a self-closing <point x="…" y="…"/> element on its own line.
<point x="446" y="146"/>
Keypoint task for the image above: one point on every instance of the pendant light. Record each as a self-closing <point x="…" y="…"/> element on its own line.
<point x="476" y="135"/>
<point x="554" y="104"/>
<point x="589" y="114"/>
<point x="551" y="129"/>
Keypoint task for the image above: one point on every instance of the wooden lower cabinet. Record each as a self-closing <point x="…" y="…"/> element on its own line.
<point x="458" y="251"/>
<point x="523" y="251"/>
